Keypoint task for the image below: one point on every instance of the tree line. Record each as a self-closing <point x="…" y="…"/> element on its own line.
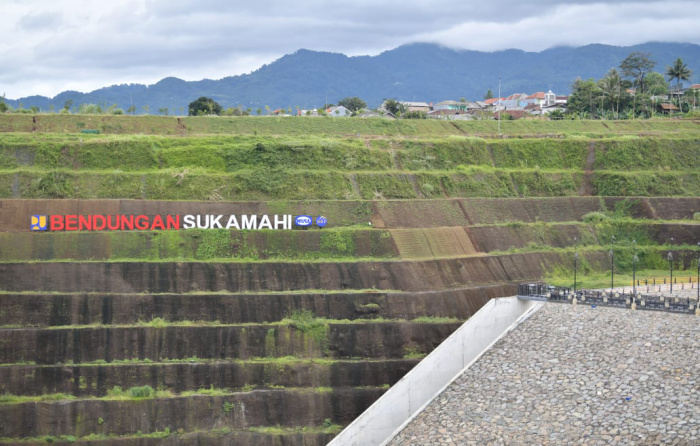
<point x="632" y="90"/>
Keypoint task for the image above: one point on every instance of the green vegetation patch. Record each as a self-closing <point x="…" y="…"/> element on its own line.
<point x="540" y="153"/>
<point x="374" y="186"/>
<point x="661" y="183"/>
<point x="476" y="182"/>
<point x="539" y="183"/>
<point x="648" y="154"/>
<point x="442" y="154"/>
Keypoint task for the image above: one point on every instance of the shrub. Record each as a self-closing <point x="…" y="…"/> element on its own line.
<point x="595" y="217"/>
<point x="141" y="392"/>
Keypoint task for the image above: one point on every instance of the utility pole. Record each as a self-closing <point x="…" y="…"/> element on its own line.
<point x="634" y="268"/>
<point x="612" y="264"/>
<point x="499" y="106"/>
<point x="575" y="262"/>
<point x="670" y="263"/>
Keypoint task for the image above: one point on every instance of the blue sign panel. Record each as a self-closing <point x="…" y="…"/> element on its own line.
<point x="321" y="221"/>
<point x="303" y="220"/>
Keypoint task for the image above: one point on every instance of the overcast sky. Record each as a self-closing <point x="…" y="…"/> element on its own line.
<point x="48" y="46"/>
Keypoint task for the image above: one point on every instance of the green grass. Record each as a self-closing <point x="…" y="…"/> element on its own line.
<point x="8" y="398"/>
<point x="302" y="320"/>
<point x="137" y="153"/>
<point x="280" y="360"/>
<point x="601" y="280"/>
<point x="164" y="125"/>
<point x="296" y="185"/>
<point x="140" y="393"/>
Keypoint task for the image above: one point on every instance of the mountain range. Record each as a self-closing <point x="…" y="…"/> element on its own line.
<point x="414" y="72"/>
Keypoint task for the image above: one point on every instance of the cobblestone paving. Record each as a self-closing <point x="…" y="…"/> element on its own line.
<point x="575" y="375"/>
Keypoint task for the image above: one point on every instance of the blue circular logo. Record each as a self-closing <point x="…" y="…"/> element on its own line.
<point x="321" y="221"/>
<point x="303" y="220"/>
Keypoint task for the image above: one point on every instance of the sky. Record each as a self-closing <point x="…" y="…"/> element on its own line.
<point x="48" y="46"/>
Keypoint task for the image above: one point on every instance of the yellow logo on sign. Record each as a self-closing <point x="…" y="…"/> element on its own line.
<point x="38" y="223"/>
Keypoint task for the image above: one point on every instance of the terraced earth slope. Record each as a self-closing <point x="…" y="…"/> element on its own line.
<point x="215" y="336"/>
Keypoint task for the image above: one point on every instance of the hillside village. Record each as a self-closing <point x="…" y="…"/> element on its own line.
<point x="515" y="106"/>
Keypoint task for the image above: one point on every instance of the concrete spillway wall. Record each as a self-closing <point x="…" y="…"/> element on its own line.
<point x="425" y="381"/>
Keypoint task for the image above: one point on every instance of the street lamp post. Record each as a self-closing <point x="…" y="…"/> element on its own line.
<point x="670" y="263"/>
<point x="612" y="264"/>
<point x="576" y="262"/>
<point x="634" y="268"/>
<point x="499" y="106"/>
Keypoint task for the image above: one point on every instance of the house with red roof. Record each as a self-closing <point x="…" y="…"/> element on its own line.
<point x="536" y="98"/>
<point x="517" y="101"/>
<point x="494" y="104"/>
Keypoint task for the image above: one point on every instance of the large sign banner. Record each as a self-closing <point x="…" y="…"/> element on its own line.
<point x="171" y="222"/>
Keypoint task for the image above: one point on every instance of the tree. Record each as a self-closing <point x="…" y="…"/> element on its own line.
<point x="692" y="96"/>
<point x="636" y="66"/>
<point x="393" y="106"/>
<point x="611" y="86"/>
<point x="584" y="97"/>
<point x="67" y="105"/>
<point x="678" y="71"/>
<point x="488" y="95"/>
<point x="415" y="115"/>
<point x="258" y="111"/>
<point x="3" y="106"/>
<point x="656" y="84"/>
<point x="204" y="106"/>
<point x="131" y="109"/>
<point x="353" y="104"/>
<point x="164" y="111"/>
<point x="146" y="108"/>
<point x="90" y="109"/>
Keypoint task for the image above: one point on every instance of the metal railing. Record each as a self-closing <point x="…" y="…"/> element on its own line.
<point x="624" y="299"/>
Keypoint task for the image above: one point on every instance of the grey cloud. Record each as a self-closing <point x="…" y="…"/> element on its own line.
<point x="43" y="20"/>
<point x="214" y="38"/>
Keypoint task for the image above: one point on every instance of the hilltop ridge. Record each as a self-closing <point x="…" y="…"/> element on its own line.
<point x="419" y="71"/>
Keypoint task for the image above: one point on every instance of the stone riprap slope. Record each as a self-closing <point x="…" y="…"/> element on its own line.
<point x="283" y="337"/>
<point x="574" y="375"/>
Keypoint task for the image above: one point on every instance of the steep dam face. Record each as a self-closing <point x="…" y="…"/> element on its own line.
<point x="280" y="336"/>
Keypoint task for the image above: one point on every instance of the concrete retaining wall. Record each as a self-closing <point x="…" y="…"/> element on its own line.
<point x="425" y="381"/>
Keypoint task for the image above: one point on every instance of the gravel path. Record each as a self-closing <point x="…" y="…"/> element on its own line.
<point x="575" y="375"/>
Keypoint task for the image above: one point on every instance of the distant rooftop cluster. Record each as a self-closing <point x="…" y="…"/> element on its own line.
<point x="516" y="106"/>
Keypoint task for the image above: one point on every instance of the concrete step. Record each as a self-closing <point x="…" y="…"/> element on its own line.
<point x="60" y="309"/>
<point x="195" y="374"/>
<point x="236" y="411"/>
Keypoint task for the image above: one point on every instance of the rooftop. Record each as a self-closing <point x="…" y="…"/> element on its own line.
<point x="538" y="95"/>
<point x="414" y="104"/>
